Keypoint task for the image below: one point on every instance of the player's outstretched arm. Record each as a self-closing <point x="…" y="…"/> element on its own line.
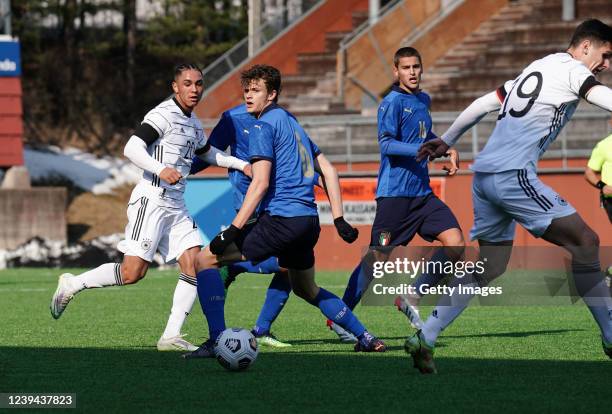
<point x="331" y="184"/>
<point x="391" y="146"/>
<point x="136" y="151"/>
<point x="601" y="96"/>
<point x="470" y="116"/>
<point x="216" y="157"/>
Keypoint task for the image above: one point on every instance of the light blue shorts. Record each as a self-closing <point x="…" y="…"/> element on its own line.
<point x="503" y="199"/>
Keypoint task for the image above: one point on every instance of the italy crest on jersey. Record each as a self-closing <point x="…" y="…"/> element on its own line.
<point x="385" y="238"/>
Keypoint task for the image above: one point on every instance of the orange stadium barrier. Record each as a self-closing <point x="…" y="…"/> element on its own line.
<point x="334" y="254"/>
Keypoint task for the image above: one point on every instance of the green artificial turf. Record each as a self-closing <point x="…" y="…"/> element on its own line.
<point x="103" y="349"/>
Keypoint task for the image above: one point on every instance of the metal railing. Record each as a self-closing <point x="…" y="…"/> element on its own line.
<point x="234" y="58"/>
<point x="366" y="29"/>
<point x="360" y="30"/>
<point x="351" y="139"/>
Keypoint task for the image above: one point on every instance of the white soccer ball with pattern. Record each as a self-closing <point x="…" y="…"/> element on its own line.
<point x="236" y="349"/>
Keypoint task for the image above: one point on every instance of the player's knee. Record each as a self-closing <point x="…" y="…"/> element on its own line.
<point x="453" y="242"/>
<point x="455" y="239"/>
<point x="492" y="272"/>
<point x="188" y="264"/>
<point x="131" y="274"/>
<point x="205" y="260"/>
<point x="299" y="292"/>
<point x="589" y="238"/>
<point x="303" y="292"/>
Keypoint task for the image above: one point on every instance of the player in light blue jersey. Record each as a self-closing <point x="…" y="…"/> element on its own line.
<point x="284" y="160"/>
<point x="532" y="109"/>
<point x="405" y="203"/>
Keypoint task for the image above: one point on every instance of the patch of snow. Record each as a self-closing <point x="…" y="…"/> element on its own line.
<point x="38" y="252"/>
<point x="100" y="175"/>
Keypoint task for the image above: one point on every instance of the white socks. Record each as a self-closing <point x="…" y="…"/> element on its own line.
<point x="444" y="315"/>
<point x="108" y="274"/>
<point x="184" y="296"/>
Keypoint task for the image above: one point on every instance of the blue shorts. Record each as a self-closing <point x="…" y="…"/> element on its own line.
<point x="291" y="239"/>
<point x="505" y="198"/>
<point x="399" y="219"/>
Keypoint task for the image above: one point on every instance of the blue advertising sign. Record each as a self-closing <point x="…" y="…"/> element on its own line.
<point x="10" y="58"/>
<point x="210" y="203"/>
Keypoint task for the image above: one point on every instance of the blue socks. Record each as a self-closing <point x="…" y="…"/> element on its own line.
<point x="211" y="295"/>
<point x="266" y="267"/>
<point x="352" y="294"/>
<point x="334" y="309"/>
<point x="212" y="299"/>
<point x="276" y="297"/>
<point x="357" y="284"/>
<point x="277" y="293"/>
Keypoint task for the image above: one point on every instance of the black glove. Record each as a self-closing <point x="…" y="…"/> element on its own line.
<point x="348" y="233"/>
<point x="224" y="239"/>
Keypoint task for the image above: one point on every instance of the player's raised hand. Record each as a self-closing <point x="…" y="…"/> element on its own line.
<point x="454" y="162"/>
<point x="433" y="149"/>
<point x="348" y="233"/>
<point x="170" y="175"/>
<point x="224" y="239"/>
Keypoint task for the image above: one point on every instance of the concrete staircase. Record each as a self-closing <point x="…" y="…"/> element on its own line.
<point x="304" y="54"/>
<point x="498" y="50"/>
<point x="518" y="34"/>
<point x="312" y="91"/>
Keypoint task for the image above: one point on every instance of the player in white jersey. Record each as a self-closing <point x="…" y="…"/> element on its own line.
<point x="158" y="221"/>
<point x="532" y="110"/>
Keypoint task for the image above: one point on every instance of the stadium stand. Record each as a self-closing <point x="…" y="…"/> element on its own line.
<point x="519" y="33"/>
<point x="469" y="48"/>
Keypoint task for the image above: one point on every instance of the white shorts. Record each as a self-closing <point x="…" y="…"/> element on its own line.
<point x="503" y="199"/>
<point x="152" y="228"/>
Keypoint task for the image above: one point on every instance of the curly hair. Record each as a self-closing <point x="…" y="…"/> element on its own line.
<point x="269" y="74"/>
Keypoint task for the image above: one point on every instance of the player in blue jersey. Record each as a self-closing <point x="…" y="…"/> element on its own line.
<point x="532" y="110"/>
<point x="405" y="203"/>
<point x="284" y="160"/>
<point x="232" y="131"/>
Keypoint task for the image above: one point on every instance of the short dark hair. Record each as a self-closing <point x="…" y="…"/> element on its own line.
<point x="592" y="29"/>
<point x="406" y="52"/>
<point x="181" y="67"/>
<point x="269" y="74"/>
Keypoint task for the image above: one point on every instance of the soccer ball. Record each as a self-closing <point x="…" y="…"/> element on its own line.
<point x="236" y="349"/>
